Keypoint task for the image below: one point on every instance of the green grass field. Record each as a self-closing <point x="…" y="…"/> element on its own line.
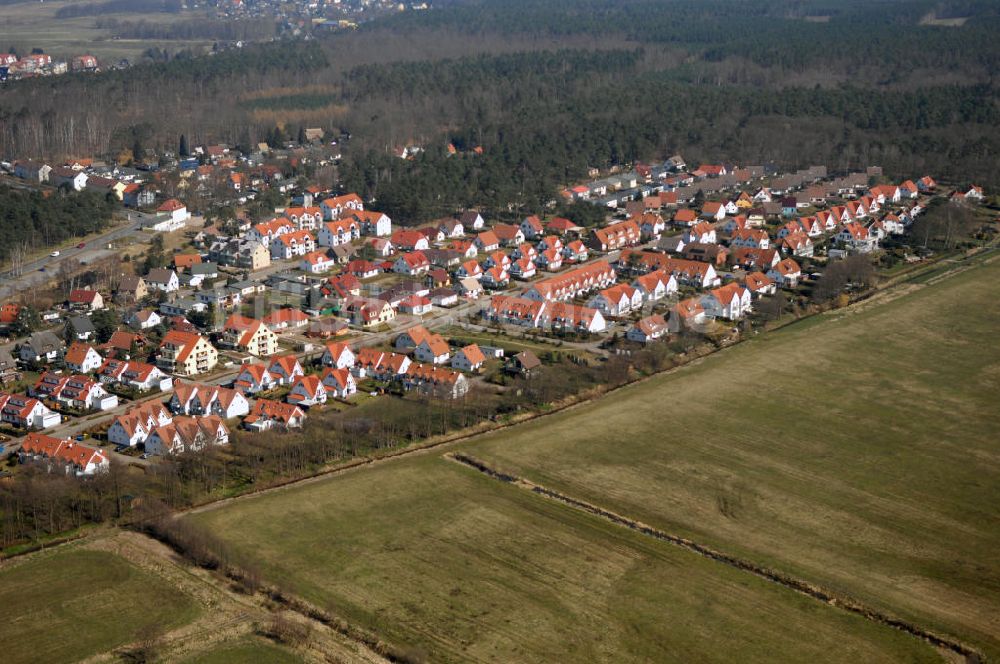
<point x="857" y="450"/>
<point x="249" y="650"/>
<point x="70" y="604"/>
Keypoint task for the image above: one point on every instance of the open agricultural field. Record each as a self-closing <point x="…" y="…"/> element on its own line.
<point x="71" y="603"/>
<point x="859" y="450"/>
<point x="450" y="565"/>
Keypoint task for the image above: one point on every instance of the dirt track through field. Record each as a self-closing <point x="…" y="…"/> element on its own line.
<point x="971" y="655"/>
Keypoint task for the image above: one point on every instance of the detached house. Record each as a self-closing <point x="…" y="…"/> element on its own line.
<point x="84" y="299"/>
<point x="267" y="414"/>
<point x="786" y="273"/>
<point x="285" y="369"/>
<point x="163" y="279"/>
<point x="409" y="240"/>
<point x="412" y="264"/>
<point x="687" y="314"/>
<point x="339" y="383"/>
<point x="317" y="262"/>
<point x="797" y="244"/>
<point x="487" y="241"/>
<point x="254" y="378"/>
<point x="856" y="237"/>
<point x="759" y="283"/>
<point x="82" y="358"/>
<point x="472" y="219"/>
<point x="469" y="358"/>
<point x="60" y="176"/>
<point x="432" y="349"/>
<point x="751" y="237"/>
<point x="307" y="391"/>
<point x="702" y="232"/>
<point x="730" y="302"/>
<point x="713" y="210"/>
<point x="41" y="347"/>
<point x="338" y="355"/>
<point x="648" y="329"/>
<point x="532" y="227"/>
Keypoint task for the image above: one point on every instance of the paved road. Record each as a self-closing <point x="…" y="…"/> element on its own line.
<point x="32" y="274"/>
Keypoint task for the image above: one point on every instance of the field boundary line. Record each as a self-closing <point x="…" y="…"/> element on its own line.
<point x="781" y="578"/>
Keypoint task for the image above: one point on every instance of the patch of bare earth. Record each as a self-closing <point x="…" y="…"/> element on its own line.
<point x="228" y="615"/>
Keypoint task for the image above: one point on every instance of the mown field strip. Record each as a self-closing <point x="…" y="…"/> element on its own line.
<point x="785" y="580"/>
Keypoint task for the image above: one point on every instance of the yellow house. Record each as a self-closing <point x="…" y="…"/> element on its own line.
<point x="250" y="335"/>
<point x="257" y="257"/>
<point x="186" y="354"/>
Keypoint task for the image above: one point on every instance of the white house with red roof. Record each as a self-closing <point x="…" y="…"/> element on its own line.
<point x="254" y="378"/>
<point x="339" y="206"/>
<point x="317" y="262"/>
<point x="655" y="285"/>
<point x="432" y="349"/>
<point x="730" y="302"/>
<point x="75" y="458"/>
<point x="786" y="273"/>
<point x="856" y="237"/>
<point x="307" y="391"/>
<point x="648" y="329"/>
<point x="495" y="277"/>
<point x="82" y="358"/>
<point x="338" y="355"/>
<point x="339" y="383"/>
<point x="285" y="369"/>
<point x="291" y="245"/>
<point x="532" y="227"/>
<point x="469" y="358"/>
<point x="267" y="414"/>
<point x="413" y="263"/>
<point x="172" y="215"/>
<point x="417" y="305"/>
<point x="618" y="300"/>
<point x="24" y="412"/>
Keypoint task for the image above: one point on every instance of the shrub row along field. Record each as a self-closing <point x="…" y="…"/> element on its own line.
<point x="70" y="604"/>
